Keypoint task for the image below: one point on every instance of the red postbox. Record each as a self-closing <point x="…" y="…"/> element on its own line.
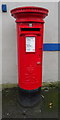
<point x="30" y="28"/>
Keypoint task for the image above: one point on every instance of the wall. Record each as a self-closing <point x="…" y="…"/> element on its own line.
<point x="0" y="46"/>
<point x="9" y="43"/>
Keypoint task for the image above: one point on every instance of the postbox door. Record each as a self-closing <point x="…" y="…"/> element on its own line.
<point x="30" y="61"/>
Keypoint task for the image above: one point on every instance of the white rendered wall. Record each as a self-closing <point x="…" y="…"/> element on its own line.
<point x="0" y="46"/>
<point x="9" y="42"/>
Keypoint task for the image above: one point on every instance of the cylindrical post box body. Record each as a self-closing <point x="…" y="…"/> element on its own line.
<point x="30" y="28"/>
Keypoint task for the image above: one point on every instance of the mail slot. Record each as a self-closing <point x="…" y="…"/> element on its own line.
<point x="30" y="29"/>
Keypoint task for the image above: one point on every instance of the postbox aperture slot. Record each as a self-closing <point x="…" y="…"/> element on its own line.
<point x="30" y="29"/>
<point x="30" y="44"/>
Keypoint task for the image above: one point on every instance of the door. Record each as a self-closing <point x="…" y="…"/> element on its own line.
<point x="30" y="61"/>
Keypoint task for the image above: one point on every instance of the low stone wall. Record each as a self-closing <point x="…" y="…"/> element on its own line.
<point x="44" y="84"/>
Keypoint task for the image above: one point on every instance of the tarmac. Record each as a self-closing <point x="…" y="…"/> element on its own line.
<point x="42" y="104"/>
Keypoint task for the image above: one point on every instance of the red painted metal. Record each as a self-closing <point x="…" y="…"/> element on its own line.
<point x="29" y="63"/>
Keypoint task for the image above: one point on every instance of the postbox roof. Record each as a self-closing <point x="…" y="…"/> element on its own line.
<point x="33" y="11"/>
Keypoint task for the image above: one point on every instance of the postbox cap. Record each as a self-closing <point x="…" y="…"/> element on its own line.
<point x="29" y="11"/>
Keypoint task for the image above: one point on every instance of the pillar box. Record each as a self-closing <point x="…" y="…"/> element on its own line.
<point x="30" y="28"/>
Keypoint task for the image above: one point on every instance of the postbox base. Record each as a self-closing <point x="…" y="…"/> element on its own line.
<point x="29" y="91"/>
<point x="29" y="98"/>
